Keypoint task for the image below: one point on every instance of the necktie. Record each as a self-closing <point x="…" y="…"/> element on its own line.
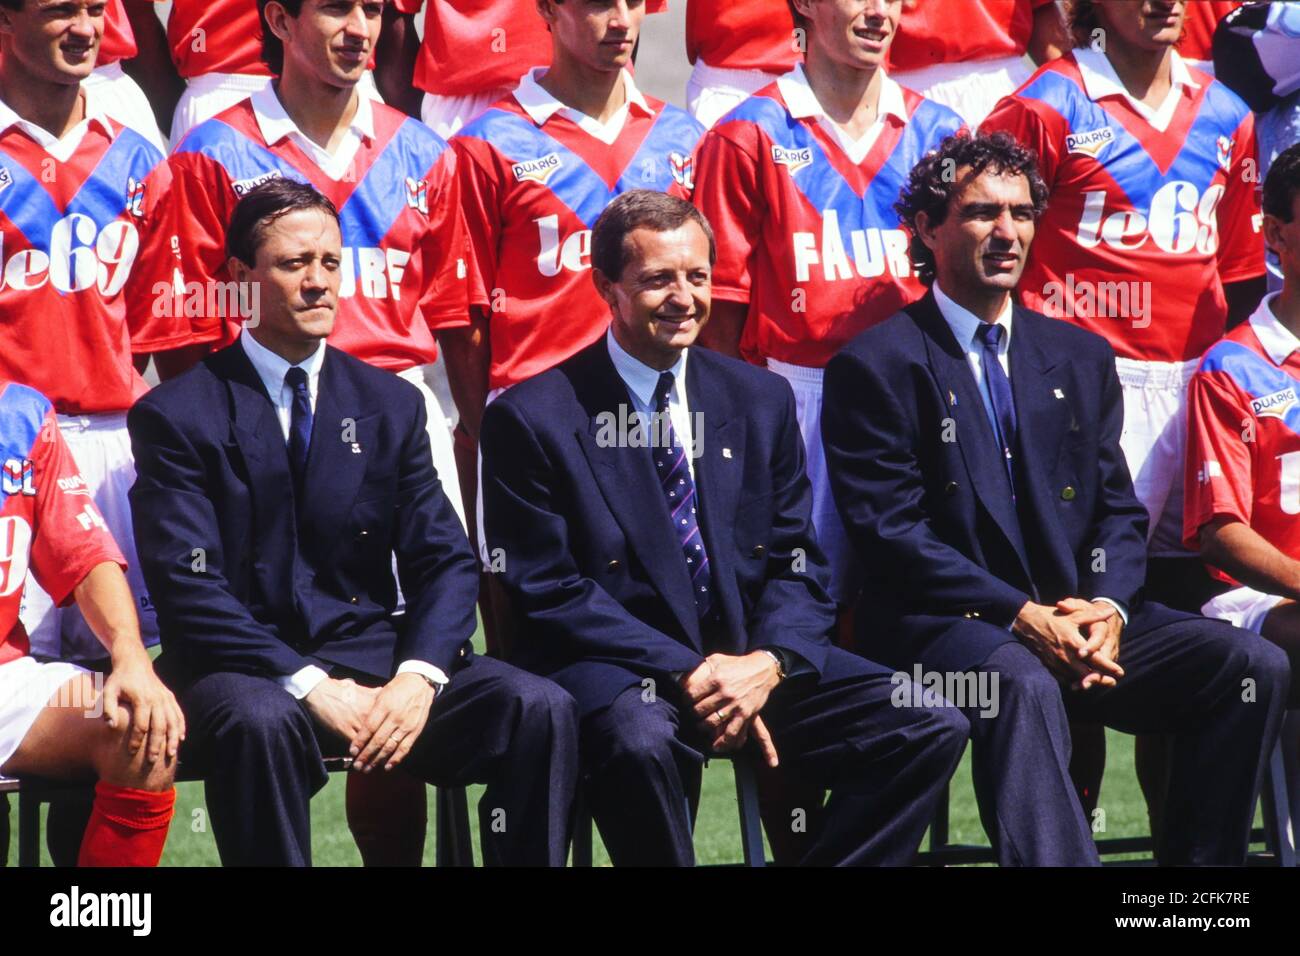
<point x="679" y="490"/>
<point x="299" y="423"/>
<point x="1004" y="406"/>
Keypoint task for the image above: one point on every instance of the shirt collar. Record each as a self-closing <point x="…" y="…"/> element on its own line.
<point x="1278" y="341"/>
<point x="276" y="124"/>
<point x="641" y="379"/>
<point x="803" y="103"/>
<point x="94" y="115"/>
<point x="965" y="324"/>
<point x="541" y="105"/>
<point x="271" y="368"/>
<point x="1100" y="78"/>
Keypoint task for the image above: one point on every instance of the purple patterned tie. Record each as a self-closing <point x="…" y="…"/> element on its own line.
<point x="675" y="479"/>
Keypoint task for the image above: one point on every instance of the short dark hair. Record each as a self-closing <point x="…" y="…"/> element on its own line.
<point x="272" y="48"/>
<point x="12" y="4"/>
<point x="640" y="209"/>
<point x="1282" y="183"/>
<point x="1081" y="17"/>
<point x="932" y="183"/>
<point x="800" y="21"/>
<point x="263" y="205"/>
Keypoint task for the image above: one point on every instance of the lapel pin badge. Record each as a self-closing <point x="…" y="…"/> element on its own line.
<point x="726" y="453"/>
<point x="356" y="448"/>
<point x="1058" y="393"/>
<point x="952" y="398"/>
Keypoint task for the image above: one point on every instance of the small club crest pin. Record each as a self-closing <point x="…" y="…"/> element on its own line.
<point x="356" y="448"/>
<point x="1058" y="393"/>
<point x="726" y="453"/>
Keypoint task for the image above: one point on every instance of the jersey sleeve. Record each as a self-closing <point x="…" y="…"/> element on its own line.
<point x="155" y="316"/>
<point x="203" y="198"/>
<point x="1240" y="218"/>
<point x="445" y="300"/>
<point x="481" y="208"/>
<point x="69" y="537"/>
<point x="1018" y="117"/>
<point x="727" y="192"/>
<point x="1219" y="470"/>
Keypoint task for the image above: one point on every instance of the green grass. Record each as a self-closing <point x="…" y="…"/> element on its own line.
<point x="717" y="838"/>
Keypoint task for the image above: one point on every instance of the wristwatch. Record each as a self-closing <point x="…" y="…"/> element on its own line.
<point x="780" y="662"/>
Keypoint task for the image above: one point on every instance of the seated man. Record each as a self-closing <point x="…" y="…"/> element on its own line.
<point x="1243" y="459"/>
<point x="48" y="523"/>
<point x="276" y="480"/>
<point x="975" y="459"/>
<point x="649" y="505"/>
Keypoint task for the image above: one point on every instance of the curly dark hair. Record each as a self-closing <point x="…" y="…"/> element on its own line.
<point x="932" y="182"/>
<point x="1282" y="183"/>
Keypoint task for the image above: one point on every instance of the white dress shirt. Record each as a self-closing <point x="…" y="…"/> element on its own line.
<point x="1100" y="79"/>
<point x="803" y="104"/>
<point x="541" y="106"/>
<point x="642" y="380"/>
<point x="276" y="125"/>
<point x="965" y="327"/>
<point x="271" y="369"/>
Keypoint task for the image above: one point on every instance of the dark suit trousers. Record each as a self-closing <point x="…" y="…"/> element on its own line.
<point x="261" y="755"/>
<point x="884" y="765"/>
<point x="1218" y="690"/>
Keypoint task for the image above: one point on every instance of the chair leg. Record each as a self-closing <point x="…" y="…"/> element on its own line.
<point x="4" y="829"/>
<point x="582" y="824"/>
<point x="939" y="828"/>
<point x="1276" y="807"/>
<point x="751" y="823"/>
<point x="29" y="828"/>
<point x="1289" y="741"/>
<point x="455" y="847"/>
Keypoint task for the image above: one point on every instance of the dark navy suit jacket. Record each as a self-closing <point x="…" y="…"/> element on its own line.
<point x="924" y="494"/>
<point x="590" y="556"/>
<point x="243" y="583"/>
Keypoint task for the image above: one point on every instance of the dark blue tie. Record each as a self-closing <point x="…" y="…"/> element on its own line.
<point x="679" y="488"/>
<point x="299" y="423"/>
<point x="1004" y="406"/>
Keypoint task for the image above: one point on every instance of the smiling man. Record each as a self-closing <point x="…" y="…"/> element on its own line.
<point x="974" y="453"/>
<point x="682" y="600"/>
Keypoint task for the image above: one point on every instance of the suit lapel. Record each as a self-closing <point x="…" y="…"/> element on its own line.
<point x="718" y="472"/>
<point x="1045" y="417"/>
<point x="974" y="432"/>
<point x="343" y="439"/>
<point x="630" y="487"/>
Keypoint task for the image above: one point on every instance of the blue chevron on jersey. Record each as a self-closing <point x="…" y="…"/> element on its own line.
<point x="104" y="195"/>
<point x="380" y="197"/>
<point x="27" y="205"/>
<point x="22" y="415"/>
<point x="1253" y="374"/>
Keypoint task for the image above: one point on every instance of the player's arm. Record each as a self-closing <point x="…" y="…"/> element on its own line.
<point x="1235" y="547"/>
<point x="152" y="66"/>
<point x="1240" y="224"/>
<point x="727" y="192"/>
<point x="467" y="352"/>
<point x="395" y="56"/>
<point x="1050" y="37"/>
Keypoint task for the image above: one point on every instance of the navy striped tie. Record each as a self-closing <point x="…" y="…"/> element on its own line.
<point x="679" y="489"/>
<point x="299" y="423"/>
<point x="1004" y="405"/>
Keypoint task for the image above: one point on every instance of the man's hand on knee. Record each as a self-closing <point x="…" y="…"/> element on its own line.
<point x="393" y="723"/>
<point x="340" y="705"/>
<point x="1058" y="639"/>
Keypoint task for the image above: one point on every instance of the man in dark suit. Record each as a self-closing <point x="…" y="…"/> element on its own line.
<point x="276" y="481"/>
<point x="975" y="458"/>
<point x="673" y="585"/>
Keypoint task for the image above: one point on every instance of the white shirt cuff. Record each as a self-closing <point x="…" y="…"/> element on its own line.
<point x="425" y="669"/>
<point x="303" y="682"/>
<point x="1123" y="611"/>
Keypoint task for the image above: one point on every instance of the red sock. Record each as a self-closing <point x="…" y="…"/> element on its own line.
<point x="127" y="827"/>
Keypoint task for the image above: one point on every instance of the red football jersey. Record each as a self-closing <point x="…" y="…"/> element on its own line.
<point x="757" y="35"/>
<point x="1143" y="227"/>
<point x="1203" y="16"/>
<point x="88" y="264"/>
<point x="405" y="255"/>
<point x="215" y="36"/>
<point x="48" y="521"/>
<point x="532" y="194"/>
<point x="1243" y="428"/>
<point x="806" y="237"/>
<point x="933" y="32"/>
<point x="118" y="42"/>
<point x="477" y="46"/>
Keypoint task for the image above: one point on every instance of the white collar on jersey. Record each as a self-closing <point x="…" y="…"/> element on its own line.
<point x="1100" y="79"/>
<point x="276" y="124"/>
<point x="1278" y="341"/>
<point x="541" y="105"/>
<point x="803" y="103"/>
<point x="60" y="148"/>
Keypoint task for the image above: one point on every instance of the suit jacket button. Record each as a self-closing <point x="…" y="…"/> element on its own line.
<point x="967" y="615"/>
<point x="758" y="551"/>
<point x="363" y="534"/>
<point x="613" y="565"/>
<point x="950" y="488"/>
<point x="356" y="600"/>
<point x="1067" y="493"/>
